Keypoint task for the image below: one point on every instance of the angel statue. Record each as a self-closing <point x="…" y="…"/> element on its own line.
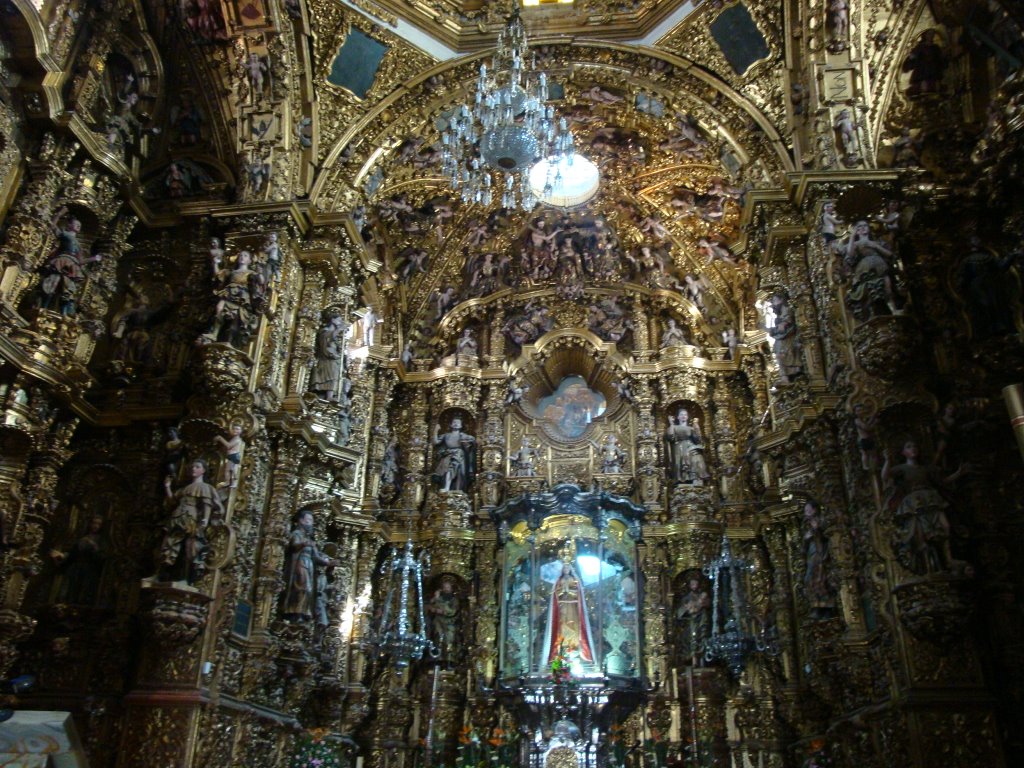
<point x="523" y="461"/>
<point x="612" y="457"/>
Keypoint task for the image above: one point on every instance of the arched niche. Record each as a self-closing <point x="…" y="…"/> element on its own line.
<point x="569" y="387"/>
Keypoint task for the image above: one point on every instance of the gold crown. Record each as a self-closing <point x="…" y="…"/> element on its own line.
<point x="568" y="551"/>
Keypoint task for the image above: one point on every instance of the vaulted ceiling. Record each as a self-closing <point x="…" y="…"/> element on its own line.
<point x="467" y="25"/>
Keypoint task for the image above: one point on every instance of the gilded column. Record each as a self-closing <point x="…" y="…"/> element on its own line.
<point x="414" y="450"/>
<point x="28" y="482"/>
<point x="649" y="475"/>
<point x="724" y="427"/>
<point x="288" y="454"/>
<point x="383" y="381"/>
<point x="492" y="453"/>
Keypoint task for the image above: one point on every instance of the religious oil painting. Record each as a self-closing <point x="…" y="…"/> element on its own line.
<point x="571" y="408"/>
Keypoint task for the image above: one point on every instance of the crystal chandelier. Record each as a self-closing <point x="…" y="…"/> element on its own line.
<point x="490" y="145"/>
<point x="732" y="637"/>
<point x="401" y="634"/>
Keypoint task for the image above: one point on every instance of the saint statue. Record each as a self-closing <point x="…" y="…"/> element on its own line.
<point x="456" y="463"/>
<point x="787" y="347"/>
<point x="389" y="465"/>
<point x="183" y="548"/>
<point x="686" y="450"/>
<point x="611" y="455"/>
<point x="81" y="566"/>
<point x="914" y="494"/>
<point x="673" y="335"/>
<point x="818" y="578"/>
<point x="523" y="461"/>
<point x="443" y="613"/>
<point x="987" y="286"/>
<point x="64" y="271"/>
<point x="871" y="290"/>
<point x="568" y="626"/>
<point x="329" y="356"/>
<point x="301" y="570"/>
<point x="693" y="621"/>
<point x="466" y="348"/>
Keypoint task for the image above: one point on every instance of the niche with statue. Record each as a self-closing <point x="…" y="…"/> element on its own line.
<point x="570" y="589"/>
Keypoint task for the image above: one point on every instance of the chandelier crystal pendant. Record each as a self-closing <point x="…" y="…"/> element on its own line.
<point x="490" y="145"/>
<point x="401" y="634"/>
<point x="733" y="635"/>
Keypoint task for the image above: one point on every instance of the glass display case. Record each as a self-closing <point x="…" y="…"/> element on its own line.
<point x="570" y="588"/>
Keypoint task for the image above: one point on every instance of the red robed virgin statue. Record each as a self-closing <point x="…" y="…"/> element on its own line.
<point x="568" y="626"/>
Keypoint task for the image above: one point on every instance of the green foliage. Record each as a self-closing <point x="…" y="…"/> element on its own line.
<point x="560" y="672"/>
<point x="819" y="758"/>
<point x="499" y="750"/>
<point x="314" y="750"/>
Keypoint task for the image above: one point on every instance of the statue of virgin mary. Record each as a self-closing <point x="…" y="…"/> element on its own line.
<point x="568" y="626"/>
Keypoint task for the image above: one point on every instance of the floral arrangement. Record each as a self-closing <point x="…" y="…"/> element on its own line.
<point x="560" y="672"/>
<point x="314" y="750"/>
<point x="819" y="756"/>
<point x="498" y="750"/>
<point x="619" y="748"/>
<point x="656" y="750"/>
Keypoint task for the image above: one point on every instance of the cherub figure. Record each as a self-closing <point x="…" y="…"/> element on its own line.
<point x="652" y="226"/>
<point x="599" y="95"/>
<point x="839" y="14"/>
<point x="216" y="253"/>
<point x="865" y="423"/>
<point x="415" y="261"/>
<point x="714" y="250"/>
<point x="271" y="258"/>
<point x="729" y="341"/>
<point x="409" y="148"/>
<point x="622" y="387"/>
<point x="829" y="222"/>
<point x="694" y="289"/>
<point x="257" y="172"/>
<point x="846" y="127"/>
<point x="255" y="67"/>
<point x="890" y="221"/>
<point x="689" y="141"/>
<point x="443" y="300"/>
<point x="515" y="393"/>
<point x="232" y="449"/>
<point x="478" y="233"/>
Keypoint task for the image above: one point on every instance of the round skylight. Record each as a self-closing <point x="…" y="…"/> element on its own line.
<point x="566" y="182"/>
